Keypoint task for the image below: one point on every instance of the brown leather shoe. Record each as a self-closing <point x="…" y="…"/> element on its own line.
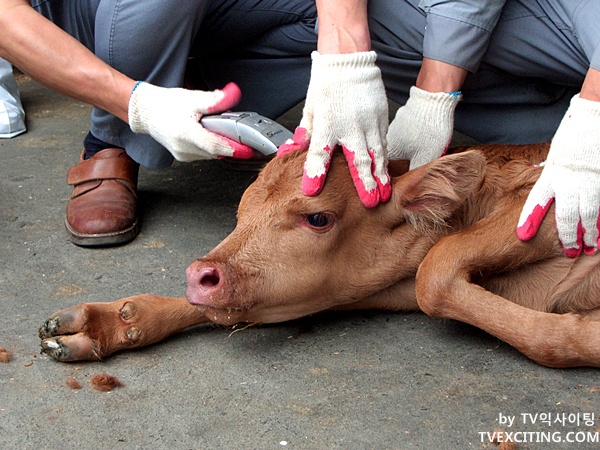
<point x="102" y="209"/>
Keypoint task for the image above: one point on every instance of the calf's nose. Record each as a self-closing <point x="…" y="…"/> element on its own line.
<point x="203" y="283"/>
<point x="208" y="278"/>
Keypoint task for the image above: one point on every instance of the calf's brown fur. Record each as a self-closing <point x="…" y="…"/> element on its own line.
<point x="445" y="243"/>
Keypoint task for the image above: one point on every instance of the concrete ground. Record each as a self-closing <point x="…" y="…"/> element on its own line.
<point x="347" y="381"/>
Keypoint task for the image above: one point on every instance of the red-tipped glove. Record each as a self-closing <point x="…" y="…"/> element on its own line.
<point x="345" y="105"/>
<point x="172" y="116"/>
<point x="571" y="176"/>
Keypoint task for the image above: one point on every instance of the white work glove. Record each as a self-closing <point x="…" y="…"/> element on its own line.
<point x="423" y="127"/>
<point x="571" y="176"/>
<point x="172" y="116"/>
<point x="345" y="105"/>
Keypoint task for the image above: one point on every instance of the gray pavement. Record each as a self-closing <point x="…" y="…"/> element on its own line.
<point x="347" y="381"/>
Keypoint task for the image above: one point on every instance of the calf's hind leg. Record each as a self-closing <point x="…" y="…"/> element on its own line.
<point x="91" y="331"/>
<point x="444" y="290"/>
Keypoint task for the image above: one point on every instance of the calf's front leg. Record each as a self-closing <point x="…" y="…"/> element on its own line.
<point x="91" y="331"/>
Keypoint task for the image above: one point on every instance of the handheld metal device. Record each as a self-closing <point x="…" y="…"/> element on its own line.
<point x="250" y="128"/>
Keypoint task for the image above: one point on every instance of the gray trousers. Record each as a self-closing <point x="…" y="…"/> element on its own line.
<point x="538" y="56"/>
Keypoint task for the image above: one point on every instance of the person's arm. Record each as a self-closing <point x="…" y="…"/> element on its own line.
<point x="55" y="59"/>
<point x="571" y="176"/>
<point x="422" y="129"/>
<point x="345" y="106"/>
<point x="58" y="61"/>
<point x="343" y="26"/>
<point x="455" y="39"/>
<point x="438" y="76"/>
<point x="590" y="90"/>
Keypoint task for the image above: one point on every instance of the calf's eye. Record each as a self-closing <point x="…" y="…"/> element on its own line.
<point x="319" y="221"/>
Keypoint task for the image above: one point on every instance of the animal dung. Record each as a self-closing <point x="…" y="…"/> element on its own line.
<point x="105" y="382"/>
<point x="5" y="355"/>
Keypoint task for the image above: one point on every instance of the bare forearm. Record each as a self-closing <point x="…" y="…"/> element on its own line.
<point x="591" y="86"/>
<point x="343" y="26"/>
<point x="437" y="76"/>
<point x="55" y="59"/>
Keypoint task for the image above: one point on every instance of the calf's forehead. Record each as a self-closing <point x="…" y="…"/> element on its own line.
<point x="280" y="183"/>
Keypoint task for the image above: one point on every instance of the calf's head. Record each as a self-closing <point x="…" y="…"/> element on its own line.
<point x="292" y="255"/>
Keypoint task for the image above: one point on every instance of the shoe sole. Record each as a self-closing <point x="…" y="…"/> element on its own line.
<point x="102" y="239"/>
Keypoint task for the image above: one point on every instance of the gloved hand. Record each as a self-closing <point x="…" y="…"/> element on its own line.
<point x="345" y="105"/>
<point x="571" y="175"/>
<point x="172" y="116"/>
<point x="423" y="127"/>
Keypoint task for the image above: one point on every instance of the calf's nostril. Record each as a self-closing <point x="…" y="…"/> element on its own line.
<point x="209" y="278"/>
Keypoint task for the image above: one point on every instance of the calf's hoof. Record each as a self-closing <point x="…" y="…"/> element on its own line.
<point x="89" y="332"/>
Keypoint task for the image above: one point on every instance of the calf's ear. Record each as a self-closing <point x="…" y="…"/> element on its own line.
<point x="428" y="195"/>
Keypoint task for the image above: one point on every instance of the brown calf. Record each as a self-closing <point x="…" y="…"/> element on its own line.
<point x="445" y="243"/>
